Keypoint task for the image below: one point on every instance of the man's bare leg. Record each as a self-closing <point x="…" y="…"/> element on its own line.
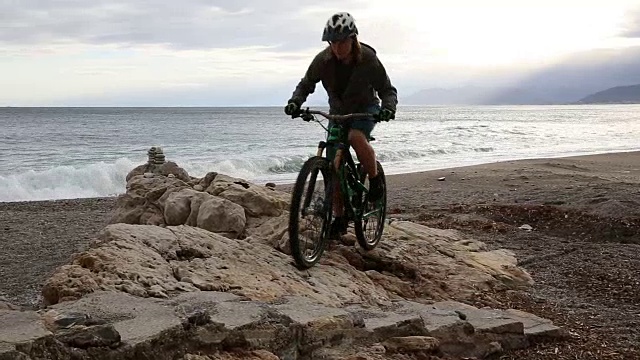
<point x="338" y="206"/>
<point x="366" y="154"/>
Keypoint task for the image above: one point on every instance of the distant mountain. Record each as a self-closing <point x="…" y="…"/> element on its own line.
<point x="566" y="81"/>
<point x="615" y="95"/>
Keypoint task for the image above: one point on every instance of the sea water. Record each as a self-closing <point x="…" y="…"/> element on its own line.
<point x="62" y="153"/>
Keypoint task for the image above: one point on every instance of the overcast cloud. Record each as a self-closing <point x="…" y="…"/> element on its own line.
<point x="184" y="24"/>
<point x="632" y="28"/>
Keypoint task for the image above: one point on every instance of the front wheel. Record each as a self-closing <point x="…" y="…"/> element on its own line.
<point x="310" y="212"/>
<point x="370" y="226"/>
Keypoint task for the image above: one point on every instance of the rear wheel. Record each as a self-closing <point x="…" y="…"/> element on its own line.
<point x="371" y="224"/>
<point x="310" y="213"/>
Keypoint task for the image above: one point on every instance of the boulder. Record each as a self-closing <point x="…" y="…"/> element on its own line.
<point x="141" y="203"/>
<point x="217" y="202"/>
<point x="413" y="261"/>
<point x="256" y="200"/>
<point x="221" y="216"/>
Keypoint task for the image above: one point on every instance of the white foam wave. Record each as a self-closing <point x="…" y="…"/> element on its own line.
<point x="239" y="169"/>
<point x="257" y="170"/>
<point x="67" y="182"/>
<point x="108" y="179"/>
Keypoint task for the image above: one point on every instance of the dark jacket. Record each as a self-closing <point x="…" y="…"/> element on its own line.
<point x="368" y="86"/>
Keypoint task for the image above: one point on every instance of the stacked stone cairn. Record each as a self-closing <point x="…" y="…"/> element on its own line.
<point x="156" y="156"/>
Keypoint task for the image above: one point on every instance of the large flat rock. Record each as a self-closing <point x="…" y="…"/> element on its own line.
<point x="18" y="327"/>
<point x="292" y="327"/>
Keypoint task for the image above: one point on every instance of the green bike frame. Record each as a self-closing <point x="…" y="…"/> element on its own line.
<point x="346" y="170"/>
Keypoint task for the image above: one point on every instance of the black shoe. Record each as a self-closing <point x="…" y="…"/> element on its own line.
<point x="376" y="188"/>
<point x="338" y="228"/>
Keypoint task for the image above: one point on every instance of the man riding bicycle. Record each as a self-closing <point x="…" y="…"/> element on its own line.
<point x="355" y="81"/>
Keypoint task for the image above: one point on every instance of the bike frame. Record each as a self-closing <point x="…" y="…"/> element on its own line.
<point x="349" y="182"/>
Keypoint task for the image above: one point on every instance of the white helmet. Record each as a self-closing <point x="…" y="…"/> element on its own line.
<point x="339" y="27"/>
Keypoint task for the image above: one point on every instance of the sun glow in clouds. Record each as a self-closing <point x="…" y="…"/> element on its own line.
<point x="496" y="32"/>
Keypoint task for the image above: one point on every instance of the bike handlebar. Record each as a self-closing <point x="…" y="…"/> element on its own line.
<point x="335" y="117"/>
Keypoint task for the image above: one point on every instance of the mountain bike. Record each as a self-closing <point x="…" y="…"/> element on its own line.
<point x="311" y="212"/>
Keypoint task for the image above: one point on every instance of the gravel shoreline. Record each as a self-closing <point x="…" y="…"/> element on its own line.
<point x="39" y="236"/>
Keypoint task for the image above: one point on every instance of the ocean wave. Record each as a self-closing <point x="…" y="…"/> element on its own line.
<point x="288" y="165"/>
<point x="101" y="179"/>
<point x="66" y="182"/>
<point x="249" y="168"/>
<point x="108" y="179"/>
<point x="404" y="155"/>
<point x="483" y="149"/>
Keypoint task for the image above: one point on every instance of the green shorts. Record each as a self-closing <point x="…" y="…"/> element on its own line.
<point x="364" y="125"/>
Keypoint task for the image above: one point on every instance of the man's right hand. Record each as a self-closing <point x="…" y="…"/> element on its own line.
<point x="292" y="109"/>
<point x="386" y="114"/>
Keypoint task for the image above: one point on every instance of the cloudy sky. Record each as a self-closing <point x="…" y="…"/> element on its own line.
<point x="253" y="52"/>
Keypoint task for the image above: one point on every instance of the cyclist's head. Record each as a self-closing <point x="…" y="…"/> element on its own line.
<point x="340" y="26"/>
<point x="341" y="33"/>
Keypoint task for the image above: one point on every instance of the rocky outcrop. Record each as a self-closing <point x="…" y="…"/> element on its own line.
<point x="212" y="325"/>
<point x="218" y="203"/>
<point x="199" y="269"/>
<point x="413" y="262"/>
<point x="157" y="164"/>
